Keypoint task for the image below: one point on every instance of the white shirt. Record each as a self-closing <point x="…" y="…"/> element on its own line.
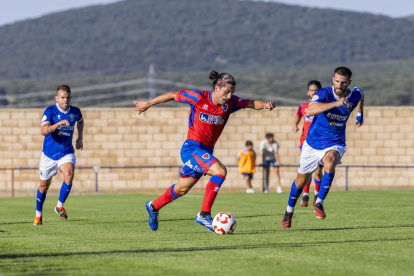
<point x="269" y="149"/>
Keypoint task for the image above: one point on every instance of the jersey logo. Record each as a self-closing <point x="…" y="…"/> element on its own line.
<point x="349" y="107"/>
<point x="206" y="156"/>
<point x="315" y="98"/>
<point x="205" y="107"/>
<point x="71" y="118"/>
<point x="225" y="107"/>
<point x="336" y="117"/>
<point x="188" y="164"/>
<point x="210" y="119"/>
<point x="59" y="117"/>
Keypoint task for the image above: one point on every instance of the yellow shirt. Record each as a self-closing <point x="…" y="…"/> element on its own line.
<point x="247" y="161"/>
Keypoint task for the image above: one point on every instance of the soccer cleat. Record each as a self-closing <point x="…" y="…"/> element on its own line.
<point x="319" y="212"/>
<point x="38" y="220"/>
<point x="61" y="212"/>
<point x="206" y="221"/>
<point x="153" y="216"/>
<point x="287" y="220"/>
<point x="305" y="200"/>
<point x="279" y="190"/>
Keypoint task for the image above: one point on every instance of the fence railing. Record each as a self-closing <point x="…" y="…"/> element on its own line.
<point x="178" y="167"/>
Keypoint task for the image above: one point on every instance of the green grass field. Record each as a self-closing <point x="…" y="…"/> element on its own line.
<point x="365" y="233"/>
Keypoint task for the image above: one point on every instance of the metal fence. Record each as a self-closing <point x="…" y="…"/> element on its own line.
<point x="96" y="169"/>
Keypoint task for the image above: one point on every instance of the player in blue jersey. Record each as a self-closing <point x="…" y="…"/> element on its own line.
<point x="58" y="125"/>
<point x="325" y="143"/>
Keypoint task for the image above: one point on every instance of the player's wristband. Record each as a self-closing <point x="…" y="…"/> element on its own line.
<point x="360" y="117"/>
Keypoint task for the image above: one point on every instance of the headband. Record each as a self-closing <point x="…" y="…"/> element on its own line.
<point x="223" y="81"/>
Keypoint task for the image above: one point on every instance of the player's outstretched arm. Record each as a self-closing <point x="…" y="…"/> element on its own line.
<point x="144" y="105"/>
<point x="79" y="141"/>
<point x="47" y="128"/>
<point x="256" y="104"/>
<point x="295" y="127"/>
<point x="317" y="108"/>
<point x="360" y="116"/>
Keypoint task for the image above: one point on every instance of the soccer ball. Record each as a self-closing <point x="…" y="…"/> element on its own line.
<point x="224" y="223"/>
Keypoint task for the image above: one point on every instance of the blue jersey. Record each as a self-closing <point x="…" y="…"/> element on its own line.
<point x="59" y="143"/>
<point x="328" y="128"/>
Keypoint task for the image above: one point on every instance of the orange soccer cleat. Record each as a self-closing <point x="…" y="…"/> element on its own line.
<point x="38" y="220"/>
<point x="61" y="212"/>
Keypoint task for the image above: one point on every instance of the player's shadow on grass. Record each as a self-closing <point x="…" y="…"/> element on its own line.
<point x="192" y="218"/>
<point x="17" y="222"/>
<point x="360" y="227"/>
<point x="194" y="249"/>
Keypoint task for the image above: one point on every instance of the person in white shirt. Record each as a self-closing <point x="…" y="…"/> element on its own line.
<point x="270" y="150"/>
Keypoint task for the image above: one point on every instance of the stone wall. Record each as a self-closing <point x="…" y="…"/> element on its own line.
<point x="119" y="137"/>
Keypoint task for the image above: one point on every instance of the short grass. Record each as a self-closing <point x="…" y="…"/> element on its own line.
<point x="365" y="233"/>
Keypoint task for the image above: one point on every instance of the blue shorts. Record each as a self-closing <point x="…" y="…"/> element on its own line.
<point x="197" y="159"/>
<point x="267" y="163"/>
<point x="250" y="175"/>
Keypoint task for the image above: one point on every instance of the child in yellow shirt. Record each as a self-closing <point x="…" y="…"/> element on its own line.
<point x="247" y="165"/>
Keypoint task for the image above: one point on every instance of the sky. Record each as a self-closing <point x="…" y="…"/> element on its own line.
<point x="18" y="10"/>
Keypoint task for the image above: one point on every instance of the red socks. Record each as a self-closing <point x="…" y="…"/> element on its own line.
<point x="169" y="196"/>
<point x="212" y="188"/>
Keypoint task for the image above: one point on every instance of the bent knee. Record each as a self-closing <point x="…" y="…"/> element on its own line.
<point x="221" y="170"/>
<point x="182" y="191"/>
<point x="68" y="178"/>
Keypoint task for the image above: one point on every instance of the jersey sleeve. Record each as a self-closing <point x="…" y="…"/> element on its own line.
<point x="80" y="116"/>
<point x="47" y="117"/>
<point x="190" y="97"/>
<point x="299" y="112"/>
<point x="319" y="97"/>
<point x="358" y="90"/>
<point x="238" y="103"/>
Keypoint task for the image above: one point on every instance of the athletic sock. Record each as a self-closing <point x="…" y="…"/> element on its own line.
<point x="293" y="197"/>
<point x="204" y="214"/>
<point x="40" y="199"/>
<point x="306" y="188"/>
<point x="317" y="186"/>
<point x="168" y="196"/>
<point x="64" y="193"/>
<point x="325" y="186"/>
<point x="212" y="188"/>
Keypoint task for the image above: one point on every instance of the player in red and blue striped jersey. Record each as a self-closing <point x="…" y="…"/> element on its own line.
<point x="209" y="113"/>
<point x="313" y="87"/>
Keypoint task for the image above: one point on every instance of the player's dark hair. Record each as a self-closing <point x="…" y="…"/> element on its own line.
<point x="269" y="135"/>
<point x="221" y="79"/>
<point x="343" y="71"/>
<point x="249" y="143"/>
<point x="63" y="87"/>
<point x="316" y="83"/>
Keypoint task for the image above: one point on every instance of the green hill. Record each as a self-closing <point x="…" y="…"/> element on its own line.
<point x="196" y="35"/>
<point x="272" y="49"/>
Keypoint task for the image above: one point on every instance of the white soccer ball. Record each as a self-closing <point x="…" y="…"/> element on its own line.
<point x="224" y="223"/>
